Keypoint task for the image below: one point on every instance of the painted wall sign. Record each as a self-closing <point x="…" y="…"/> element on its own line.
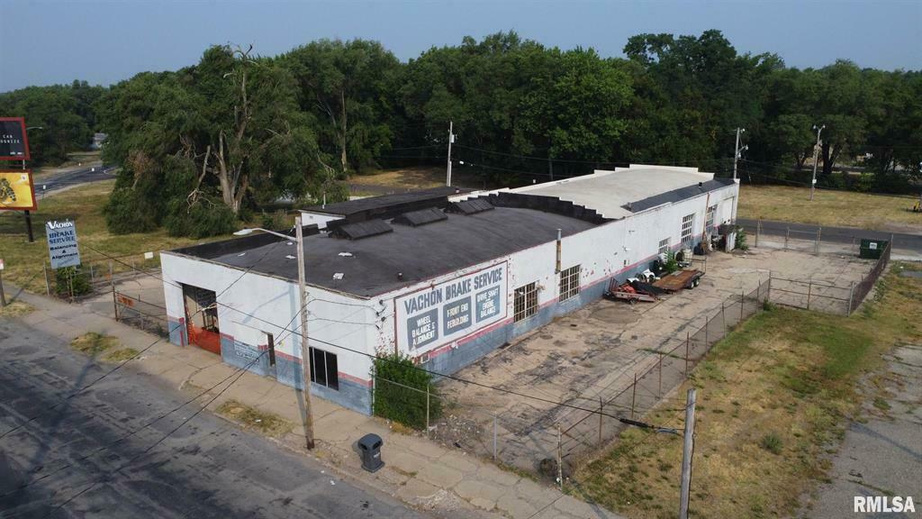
<point x="16" y="191"/>
<point x="438" y="315"/>
<point x="14" y="145"/>
<point x="62" y="244"/>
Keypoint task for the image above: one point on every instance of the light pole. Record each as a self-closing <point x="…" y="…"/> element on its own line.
<point x="28" y="215"/>
<point x="816" y="152"/>
<point x="305" y="349"/>
<point x="737" y="151"/>
<point x="451" y="139"/>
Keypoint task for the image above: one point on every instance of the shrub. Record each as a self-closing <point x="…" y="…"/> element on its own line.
<point x="71" y="281"/>
<point x="400" y="392"/>
<point x="741" y="239"/>
<point x="671" y="264"/>
<point x="128" y="211"/>
<point x="772" y="443"/>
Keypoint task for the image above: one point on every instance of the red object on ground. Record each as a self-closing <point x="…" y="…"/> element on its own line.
<point x="205" y="339"/>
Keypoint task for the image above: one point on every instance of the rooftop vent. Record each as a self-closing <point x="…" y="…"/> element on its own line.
<point x="421" y="217"/>
<point x="468" y="207"/>
<point x="359" y="230"/>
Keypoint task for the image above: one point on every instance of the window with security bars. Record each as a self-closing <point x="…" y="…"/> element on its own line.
<point x="664" y="246"/>
<point x="569" y="282"/>
<point x="712" y="212"/>
<point x="526" y="301"/>
<point x="688" y="222"/>
<point x="324" y="370"/>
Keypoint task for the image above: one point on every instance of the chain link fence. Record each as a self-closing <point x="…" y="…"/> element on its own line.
<point x="570" y="430"/>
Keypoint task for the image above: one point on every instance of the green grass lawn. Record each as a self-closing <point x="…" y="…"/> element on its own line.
<point x="835" y="208"/>
<point x="773" y="400"/>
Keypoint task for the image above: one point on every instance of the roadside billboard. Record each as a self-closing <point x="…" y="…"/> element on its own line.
<point x="439" y="314"/>
<point x="14" y="144"/>
<point x="62" y="244"/>
<point x="17" y="193"/>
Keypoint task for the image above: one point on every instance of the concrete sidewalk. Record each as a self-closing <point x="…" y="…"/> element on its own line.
<point x="419" y="472"/>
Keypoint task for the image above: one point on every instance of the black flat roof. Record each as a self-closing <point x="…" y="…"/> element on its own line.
<point x="677" y="195"/>
<point x="419" y="253"/>
<point x="388" y="206"/>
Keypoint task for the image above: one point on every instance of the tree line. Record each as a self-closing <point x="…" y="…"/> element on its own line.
<point x="211" y="143"/>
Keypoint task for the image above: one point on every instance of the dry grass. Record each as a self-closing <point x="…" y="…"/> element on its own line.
<point x="773" y="399"/>
<point x="835" y="208"/>
<point x="405" y="178"/>
<point x="267" y="424"/>
<point x="93" y="343"/>
<point x="121" y="355"/>
<point x="16" y="309"/>
<point x="84" y="205"/>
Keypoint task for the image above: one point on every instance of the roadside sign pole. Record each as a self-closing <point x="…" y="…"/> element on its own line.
<point x="2" y="295"/>
<point x="28" y="216"/>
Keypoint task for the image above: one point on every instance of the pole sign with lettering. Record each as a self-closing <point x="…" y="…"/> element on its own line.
<point x="437" y="315"/>
<point x="14" y="144"/>
<point x="62" y="244"/>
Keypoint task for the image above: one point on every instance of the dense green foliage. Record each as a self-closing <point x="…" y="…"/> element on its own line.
<point x="62" y="118"/>
<point x="400" y="392"/>
<point x="71" y="282"/>
<point x="244" y="131"/>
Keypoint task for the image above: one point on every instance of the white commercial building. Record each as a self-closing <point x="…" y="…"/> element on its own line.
<point x="441" y="276"/>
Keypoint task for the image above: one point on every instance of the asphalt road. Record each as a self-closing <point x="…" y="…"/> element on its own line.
<point x="72" y="178"/>
<point x="207" y="468"/>
<point x="844" y="235"/>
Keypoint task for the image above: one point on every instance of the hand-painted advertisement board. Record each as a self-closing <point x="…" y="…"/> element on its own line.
<point x="62" y="244"/>
<point x="437" y="315"/>
<point x="14" y="145"/>
<point x="16" y="191"/>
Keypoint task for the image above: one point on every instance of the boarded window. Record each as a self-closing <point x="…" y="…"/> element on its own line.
<point x="688" y="222"/>
<point x="712" y="212"/>
<point x="324" y="369"/>
<point x="526" y="301"/>
<point x="664" y="246"/>
<point x="569" y="282"/>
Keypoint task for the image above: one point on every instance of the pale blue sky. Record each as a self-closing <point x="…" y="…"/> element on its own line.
<point x="47" y="42"/>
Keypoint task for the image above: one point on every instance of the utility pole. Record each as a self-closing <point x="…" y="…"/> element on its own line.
<point x="816" y="158"/>
<point x="737" y="151"/>
<point x="687" y="452"/>
<point x="451" y="139"/>
<point x="305" y="349"/>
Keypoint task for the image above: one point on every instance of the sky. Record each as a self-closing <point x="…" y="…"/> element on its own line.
<point x="103" y="42"/>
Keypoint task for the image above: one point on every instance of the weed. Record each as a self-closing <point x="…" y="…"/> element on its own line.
<point x="93" y="343"/>
<point x="122" y="355"/>
<point x="772" y="443"/>
<point x="268" y="424"/>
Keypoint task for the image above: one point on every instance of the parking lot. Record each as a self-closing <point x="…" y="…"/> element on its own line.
<point x="559" y="374"/>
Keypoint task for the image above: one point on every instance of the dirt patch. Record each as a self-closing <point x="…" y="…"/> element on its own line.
<point x="267" y="424"/>
<point x="93" y="343"/>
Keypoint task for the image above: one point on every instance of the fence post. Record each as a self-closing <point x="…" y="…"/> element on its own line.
<point x="819" y="230"/>
<point x="427" y="410"/>
<point x="601" y="410"/>
<point x="114" y="302"/>
<point x="687" y="337"/>
<point x="633" y="394"/>
<point x="559" y="460"/>
<point x="47" y="282"/>
<point x="758" y="231"/>
<point x="809" y="292"/>
<point x="70" y="281"/>
<point x="742" y="303"/>
<point x="707" y="341"/>
<point x="768" y="293"/>
<point x="723" y="315"/>
<point x="92" y="273"/>
<point x="494" y="436"/>
<point x="787" y="237"/>
<point x="851" y="297"/>
<point x="660" y="366"/>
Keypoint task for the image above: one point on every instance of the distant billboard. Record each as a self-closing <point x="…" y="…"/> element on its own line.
<point x="439" y="314"/>
<point x="16" y="191"/>
<point x="14" y="144"/>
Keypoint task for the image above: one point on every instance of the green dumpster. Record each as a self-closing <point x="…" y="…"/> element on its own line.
<point x="872" y="249"/>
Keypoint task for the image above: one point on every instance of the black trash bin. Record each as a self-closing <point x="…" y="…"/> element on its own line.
<point x="370" y="447"/>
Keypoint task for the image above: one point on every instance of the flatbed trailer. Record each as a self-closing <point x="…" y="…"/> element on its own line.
<point x="679" y="280"/>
